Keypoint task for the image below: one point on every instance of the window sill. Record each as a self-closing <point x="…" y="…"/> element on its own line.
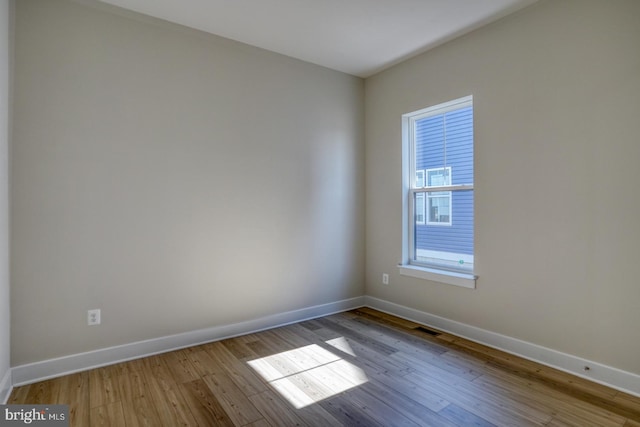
<point x="442" y="276"/>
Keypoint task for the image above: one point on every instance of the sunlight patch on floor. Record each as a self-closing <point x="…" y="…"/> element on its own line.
<point x="309" y="374"/>
<point x="341" y="344"/>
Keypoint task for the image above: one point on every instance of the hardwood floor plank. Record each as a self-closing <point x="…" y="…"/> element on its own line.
<point x="262" y="349"/>
<point x="348" y="414"/>
<point x="180" y="366"/>
<point x="446" y="338"/>
<point x="319" y="383"/>
<point x="462" y="417"/>
<point x="483" y="405"/>
<point x="378" y="409"/>
<point x="131" y="386"/>
<point x="124" y="368"/>
<point x="629" y="403"/>
<point x="558" y="423"/>
<point x="316" y="415"/>
<point x="142" y="413"/>
<point x="295" y="337"/>
<point x="526" y="368"/>
<point x="364" y="340"/>
<point x="277" y="365"/>
<point x="411" y="390"/>
<point x="203" y="405"/>
<point x="414" y="408"/>
<point x="235" y="403"/>
<point x="239" y="349"/>
<point x="352" y="350"/>
<point x="400" y="340"/>
<point x="385" y="318"/>
<point x="267" y="343"/>
<point x="507" y="401"/>
<point x="203" y="363"/>
<point x="548" y="399"/>
<point x="310" y="324"/>
<point x="171" y="407"/>
<point x="301" y="336"/>
<point x="74" y="391"/>
<point x="110" y="415"/>
<point x="325" y="334"/>
<point x="260" y="423"/>
<point x="577" y="421"/>
<point x="241" y="374"/>
<point x="156" y="368"/>
<point x="424" y="362"/>
<point x="102" y="389"/>
<point x="275" y="411"/>
<point x="410" y="336"/>
<point x="42" y="393"/>
<point x="465" y="360"/>
<point x="19" y="395"/>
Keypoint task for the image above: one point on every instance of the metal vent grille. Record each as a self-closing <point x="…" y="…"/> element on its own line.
<point x="427" y="331"/>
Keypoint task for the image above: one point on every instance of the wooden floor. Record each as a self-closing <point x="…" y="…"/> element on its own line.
<point x="359" y="368"/>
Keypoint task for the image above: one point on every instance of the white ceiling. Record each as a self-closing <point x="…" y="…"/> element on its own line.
<point x="359" y="37"/>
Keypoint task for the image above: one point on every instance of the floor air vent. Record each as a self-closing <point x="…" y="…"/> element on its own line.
<point x="427" y="331"/>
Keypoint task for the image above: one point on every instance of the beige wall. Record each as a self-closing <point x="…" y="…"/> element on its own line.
<point x="4" y="194"/>
<point x="174" y="180"/>
<point x="178" y="180"/>
<point x="557" y="99"/>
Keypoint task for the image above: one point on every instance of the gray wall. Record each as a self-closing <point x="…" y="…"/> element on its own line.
<point x="173" y="179"/>
<point x="557" y="98"/>
<point x="4" y="196"/>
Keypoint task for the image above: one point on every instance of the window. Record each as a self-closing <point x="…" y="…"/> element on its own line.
<point x="438" y="187"/>
<point x="439" y="205"/>
<point x="420" y="209"/>
<point x="419" y="179"/>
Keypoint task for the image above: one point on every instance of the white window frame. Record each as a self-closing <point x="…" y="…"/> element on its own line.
<point x="419" y="183"/>
<point x="408" y="267"/>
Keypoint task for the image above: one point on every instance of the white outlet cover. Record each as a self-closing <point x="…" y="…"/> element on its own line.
<point x="93" y="317"/>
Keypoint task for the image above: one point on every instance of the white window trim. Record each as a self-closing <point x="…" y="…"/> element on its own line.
<point x="420" y="178"/>
<point x="409" y="174"/>
<point x="443" y="276"/>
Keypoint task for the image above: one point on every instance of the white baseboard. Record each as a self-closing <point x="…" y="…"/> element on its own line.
<point x="606" y="375"/>
<point x="5" y="387"/>
<point x="38" y="371"/>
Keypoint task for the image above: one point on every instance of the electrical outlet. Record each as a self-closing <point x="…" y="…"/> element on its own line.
<point x="93" y="317"/>
<point x="385" y="279"/>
